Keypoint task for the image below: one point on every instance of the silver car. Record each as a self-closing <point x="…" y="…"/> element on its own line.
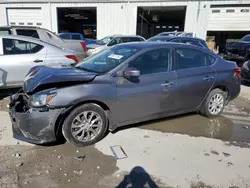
<point x="18" y="54"/>
<point x="112" y="40"/>
<point x="47" y="36"/>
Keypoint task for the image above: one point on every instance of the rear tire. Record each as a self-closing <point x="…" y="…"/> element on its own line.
<point x="214" y="103"/>
<point x="85" y="125"/>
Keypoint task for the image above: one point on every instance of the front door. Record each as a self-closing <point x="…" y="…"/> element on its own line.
<point x="195" y="77"/>
<point x="153" y="92"/>
<point x="18" y="58"/>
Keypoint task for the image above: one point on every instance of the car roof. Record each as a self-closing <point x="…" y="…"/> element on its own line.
<point x="150" y="44"/>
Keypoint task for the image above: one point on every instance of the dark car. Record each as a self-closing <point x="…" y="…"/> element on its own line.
<point x="122" y="85"/>
<point x="238" y="51"/>
<point x="245" y="72"/>
<point x="186" y="40"/>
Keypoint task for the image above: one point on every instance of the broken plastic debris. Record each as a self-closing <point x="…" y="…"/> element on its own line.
<point x="78" y="172"/>
<point x="118" y="152"/>
<point x="16" y="155"/>
<point x="80" y="158"/>
<point x="246" y="127"/>
<point x="19" y="165"/>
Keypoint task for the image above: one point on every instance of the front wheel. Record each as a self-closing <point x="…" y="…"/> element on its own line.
<point x="214" y="103"/>
<point x="85" y="125"/>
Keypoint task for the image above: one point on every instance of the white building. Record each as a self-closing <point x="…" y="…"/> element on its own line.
<point x="143" y="17"/>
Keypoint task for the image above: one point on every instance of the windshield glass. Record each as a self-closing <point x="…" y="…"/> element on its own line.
<point x="246" y="38"/>
<point x="108" y="59"/>
<point x="159" y="39"/>
<point x="104" y="41"/>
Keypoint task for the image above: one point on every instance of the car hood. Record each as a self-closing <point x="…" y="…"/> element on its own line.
<point x="46" y="77"/>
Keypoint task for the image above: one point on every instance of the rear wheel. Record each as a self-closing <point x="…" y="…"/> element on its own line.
<point x="214" y="104"/>
<point x="85" y="125"/>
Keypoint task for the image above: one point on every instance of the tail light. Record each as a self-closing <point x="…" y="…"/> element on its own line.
<point x="84" y="46"/>
<point x="237" y="71"/>
<point x="72" y="57"/>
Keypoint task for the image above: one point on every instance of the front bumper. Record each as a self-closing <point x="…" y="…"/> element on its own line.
<point x="33" y="125"/>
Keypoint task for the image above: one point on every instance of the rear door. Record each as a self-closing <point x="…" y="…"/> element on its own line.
<point x="195" y="76"/>
<point x="18" y="58"/>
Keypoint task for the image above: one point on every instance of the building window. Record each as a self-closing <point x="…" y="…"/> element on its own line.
<point x="215" y="11"/>
<point x="230" y="10"/>
<point x="244" y="10"/>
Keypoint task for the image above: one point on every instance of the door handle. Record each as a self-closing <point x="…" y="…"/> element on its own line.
<point x="208" y="78"/>
<point x="38" y="61"/>
<point x="167" y="84"/>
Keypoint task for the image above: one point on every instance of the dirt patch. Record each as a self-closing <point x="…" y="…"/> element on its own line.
<point x="53" y="166"/>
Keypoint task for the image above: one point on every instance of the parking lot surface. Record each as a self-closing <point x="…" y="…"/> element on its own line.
<point x="182" y="151"/>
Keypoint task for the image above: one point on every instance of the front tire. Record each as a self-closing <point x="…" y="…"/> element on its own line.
<point x="214" y="103"/>
<point x="85" y="125"/>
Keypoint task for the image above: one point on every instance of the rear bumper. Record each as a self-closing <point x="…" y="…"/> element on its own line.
<point x="34" y="125"/>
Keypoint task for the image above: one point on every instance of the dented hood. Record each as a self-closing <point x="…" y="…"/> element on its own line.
<point x="42" y="76"/>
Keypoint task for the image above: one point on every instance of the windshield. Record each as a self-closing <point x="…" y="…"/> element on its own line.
<point x="104" y="41"/>
<point x="108" y="59"/>
<point x="246" y="38"/>
<point x="159" y="39"/>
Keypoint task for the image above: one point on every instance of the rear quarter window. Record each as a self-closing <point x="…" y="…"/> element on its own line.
<point x="210" y="60"/>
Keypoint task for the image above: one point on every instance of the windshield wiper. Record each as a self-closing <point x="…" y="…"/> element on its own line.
<point x="88" y="70"/>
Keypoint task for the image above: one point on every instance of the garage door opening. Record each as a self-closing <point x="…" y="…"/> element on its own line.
<point x="154" y="20"/>
<point x="221" y="38"/>
<point x="79" y="20"/>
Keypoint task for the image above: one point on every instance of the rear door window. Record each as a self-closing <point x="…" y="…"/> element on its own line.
<point x="27" y="32"/>
<point x="16" y="47"/>
<point x="187" y="58"/>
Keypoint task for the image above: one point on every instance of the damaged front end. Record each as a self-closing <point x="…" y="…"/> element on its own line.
<point x="32" y="124"/>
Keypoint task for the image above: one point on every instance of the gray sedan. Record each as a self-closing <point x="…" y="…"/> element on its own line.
<point x="126" y="84"/>
<point x="19" y="54"/>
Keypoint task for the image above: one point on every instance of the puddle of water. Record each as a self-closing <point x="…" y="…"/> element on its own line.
<point x="195" y="125"/>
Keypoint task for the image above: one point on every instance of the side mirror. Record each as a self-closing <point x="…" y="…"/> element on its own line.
<point x="131" y="72"/>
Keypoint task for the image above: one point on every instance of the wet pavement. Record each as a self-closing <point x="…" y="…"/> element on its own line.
<point x="56" y="166"/>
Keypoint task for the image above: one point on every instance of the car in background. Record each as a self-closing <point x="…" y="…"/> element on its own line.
<point x="245" y="72"/>
<point x="238" y="51"/>
<point x="177" y="33"/>
<point x="125" y="84"/>
<point x="112" y="40"/>
<point x="18" y="54"/>
<point x="76" y="36"/>
<point x="186" y="40"/>
<point x="47" y="36"/>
